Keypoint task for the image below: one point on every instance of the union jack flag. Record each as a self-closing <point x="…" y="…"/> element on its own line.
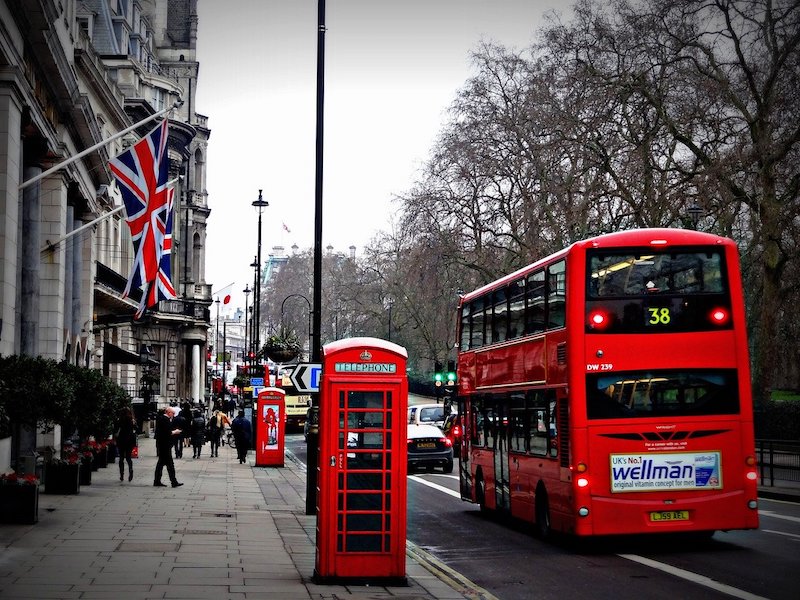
<point x="141" y="173"/>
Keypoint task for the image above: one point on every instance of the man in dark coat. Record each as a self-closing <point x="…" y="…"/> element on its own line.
<point x="242" y="433"/>
<point x="165" y="438"/>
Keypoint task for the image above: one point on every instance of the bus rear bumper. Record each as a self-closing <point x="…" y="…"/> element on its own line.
<point x="613" y="516"/>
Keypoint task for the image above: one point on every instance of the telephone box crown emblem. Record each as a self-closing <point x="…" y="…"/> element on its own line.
<point x="366" y="355"/>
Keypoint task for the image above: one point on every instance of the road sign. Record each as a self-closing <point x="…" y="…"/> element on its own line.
<point x="256" y="381"/>
<point x="306" y="376"/>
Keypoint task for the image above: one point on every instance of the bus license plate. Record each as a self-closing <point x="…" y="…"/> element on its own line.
<point x="670" y="515"/>
<point x="426" y="445"/>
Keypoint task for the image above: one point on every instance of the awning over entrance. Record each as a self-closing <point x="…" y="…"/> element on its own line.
<point x="113" y="354"/>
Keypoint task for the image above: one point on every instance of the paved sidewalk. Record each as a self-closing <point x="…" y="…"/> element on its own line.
<point x="231" y="532"/>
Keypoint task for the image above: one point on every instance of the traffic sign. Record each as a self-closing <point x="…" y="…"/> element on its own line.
<point x="256" y="381"/>
<point x="306" y="376"/>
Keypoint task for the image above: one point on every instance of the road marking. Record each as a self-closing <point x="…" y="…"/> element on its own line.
<point x="769" y="513"/>
<point x="435" y="486"/>
<point x="441" y="571"/>
<point x="791" y="535"/>
<point x="693" y="577"/>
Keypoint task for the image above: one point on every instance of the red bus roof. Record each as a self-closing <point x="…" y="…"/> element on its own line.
<point x="659" y="237"/>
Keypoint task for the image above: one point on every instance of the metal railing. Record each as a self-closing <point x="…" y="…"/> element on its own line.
<point x="778" y="461"/>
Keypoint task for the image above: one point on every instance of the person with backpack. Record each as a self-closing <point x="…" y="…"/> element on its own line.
<point x="198" y="432"/>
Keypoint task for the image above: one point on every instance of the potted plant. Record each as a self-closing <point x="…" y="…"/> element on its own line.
<point x="62" y="475"/>
<point x="19" y="499"/>
<point x="283" y="346"/>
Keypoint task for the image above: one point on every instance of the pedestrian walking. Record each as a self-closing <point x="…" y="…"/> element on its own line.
<point x="125" y="440"/>
<point x="180" y="422"/>
<point x="242" y="434"/>
<point x="165" y="438"/>
<point x="216" y="424"/>
<point x="186" y="413"/>
<point x="198" y="432"/>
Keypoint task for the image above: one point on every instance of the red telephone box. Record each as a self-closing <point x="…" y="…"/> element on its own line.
<point x="361" y="494"/>
<point x="270" y="427"/>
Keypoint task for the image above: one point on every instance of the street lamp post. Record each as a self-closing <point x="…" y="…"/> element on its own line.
<point x="695" y="213"/>
<point x="246" y="292"/>
<point x="224" y="359"/>
<point x="216" y="336"/>
<point x="260" y="204"/>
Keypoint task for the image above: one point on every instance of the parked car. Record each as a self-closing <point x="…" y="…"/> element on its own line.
<point x="428" y="447"/>
<point x="430" y="414"/>
<point x="453" y="430"/>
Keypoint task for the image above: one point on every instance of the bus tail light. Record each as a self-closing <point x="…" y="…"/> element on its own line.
<point x="599" y="319"/>
<point x="583" y="482"/>
<point x="719" y="316"/>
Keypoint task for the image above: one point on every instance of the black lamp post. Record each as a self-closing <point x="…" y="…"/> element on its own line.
<point x="253" y="340"/>
<point x="260" y="204"/>
<point x="216" y="336"/>
<point x="695" y="214"/>
<point x="246" y="356"/>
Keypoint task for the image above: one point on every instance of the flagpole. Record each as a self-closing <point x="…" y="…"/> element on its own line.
<point x="51" y="245"/>
<point x="72" y="159"/>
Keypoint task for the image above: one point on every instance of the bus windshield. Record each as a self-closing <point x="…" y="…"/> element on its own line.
<point x="637" y="394"/>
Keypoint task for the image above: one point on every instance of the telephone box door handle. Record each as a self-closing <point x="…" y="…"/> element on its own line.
<point x="333" y="461"/>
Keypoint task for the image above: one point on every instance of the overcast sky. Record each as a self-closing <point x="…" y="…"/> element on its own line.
<point x="392" y="67"/>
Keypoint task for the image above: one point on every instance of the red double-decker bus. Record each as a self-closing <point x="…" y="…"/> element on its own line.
<point x="606" y="389"/>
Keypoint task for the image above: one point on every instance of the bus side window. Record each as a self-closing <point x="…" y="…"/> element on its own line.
<point x="534" y="313"/>
<point x="516" y="309"/>
<point x="476" y="331"/>
<point x="556" y="295"/>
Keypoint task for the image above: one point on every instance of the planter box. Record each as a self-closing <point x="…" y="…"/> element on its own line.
<point x="100" y="459"/>
<point x="19" y="504"/>
<point x="85" y="471"/>
<point x="62" y="478"/>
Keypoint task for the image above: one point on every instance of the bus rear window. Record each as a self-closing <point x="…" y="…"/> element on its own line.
<point x="638" y="394"/>
<point x="615" y="275"/>
<point x="652" y="292"/>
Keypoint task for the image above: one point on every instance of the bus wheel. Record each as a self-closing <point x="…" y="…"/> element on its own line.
<point x="542" y="514"/>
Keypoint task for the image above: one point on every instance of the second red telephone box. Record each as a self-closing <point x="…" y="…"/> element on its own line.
<point x="361" y="495"/>
<point x="269" y="427"/>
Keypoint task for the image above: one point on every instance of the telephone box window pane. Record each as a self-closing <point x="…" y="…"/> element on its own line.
<point x="364" y="502"/>
<point x="341" y="419"/>
<point x="364" y="543"/>
<point x="340" y="543"/>
<point x="340" y="522"/>
<point x="341" y="481"/>
<point x="388" y="440"/>
<point x="388" y="481"/>
<point x="341" y="440"/>
<point x="387" y="542"/>
<point x="365" y="400"/>
<point x="365" y="461"/>
<point x="341" y="501"/>
<point x="364" y="420"/>
<point x="387" y="523"/>
<point x="388" y="400"/>
<point x="359" y="522"/>
<point x="373" y="440"/>
<point x="388" y="502"/>
<point x="364" y="481"/>
<point x="341" y="399"/>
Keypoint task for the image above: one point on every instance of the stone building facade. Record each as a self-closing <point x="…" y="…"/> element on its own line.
<point x="73" y="74"/>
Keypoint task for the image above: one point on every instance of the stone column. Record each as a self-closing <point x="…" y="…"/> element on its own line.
<point x="196" y="373"/>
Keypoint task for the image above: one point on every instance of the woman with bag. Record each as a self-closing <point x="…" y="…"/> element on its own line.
<point x="125" y="438"/>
